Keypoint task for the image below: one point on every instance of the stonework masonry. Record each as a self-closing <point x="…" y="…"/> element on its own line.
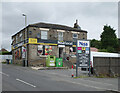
<point x="21" y="39"/>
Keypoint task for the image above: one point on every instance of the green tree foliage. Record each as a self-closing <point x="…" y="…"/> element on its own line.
<point x="109" y="39"/>
<point x="5" y="53"/>
<point x="95" y="43"/>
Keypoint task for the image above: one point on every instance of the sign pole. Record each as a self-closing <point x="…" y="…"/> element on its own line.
<point x="89" y="62"/>
<point x="76" y="70"/>
<point x="76" y="60"/>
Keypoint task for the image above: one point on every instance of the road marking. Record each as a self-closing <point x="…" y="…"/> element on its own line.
<point x="25" y="82"/>
<point x="86" y="85"/>
<point x="4" y="74"/>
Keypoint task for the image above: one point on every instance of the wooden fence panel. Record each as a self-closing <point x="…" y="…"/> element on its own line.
<point x="107" y="65"/>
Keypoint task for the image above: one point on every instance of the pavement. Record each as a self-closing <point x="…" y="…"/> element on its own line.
<point x="17" y="78"/>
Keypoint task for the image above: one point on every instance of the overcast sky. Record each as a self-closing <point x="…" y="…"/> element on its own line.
<point x="92" y="16"/>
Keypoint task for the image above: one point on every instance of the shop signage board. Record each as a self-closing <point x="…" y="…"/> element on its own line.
<point x="65" y="43"/>
<point x="33" y="40"/>
<point x="18" y="45"/>
<point x="83" y="54"/>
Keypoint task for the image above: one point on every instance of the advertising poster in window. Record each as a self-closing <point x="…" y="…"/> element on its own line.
<point x="23" y="52"/>
<point x="18" y="53"/>
<point x="48" y="50"/>
<point x="40" y="50"/>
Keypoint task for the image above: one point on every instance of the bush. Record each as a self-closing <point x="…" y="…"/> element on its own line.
<point x="110" y="49"/>
<point x="5" y="53"/>
<point x="103" y="50"/>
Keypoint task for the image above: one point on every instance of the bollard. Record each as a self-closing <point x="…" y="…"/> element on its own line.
<point x="72" y="71"/>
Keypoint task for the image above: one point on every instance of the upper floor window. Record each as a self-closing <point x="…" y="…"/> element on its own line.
<point x="16" y="38"/>
<point x="44" y="35"/>
<point x="20" y="37"/>
<point x="60" y="36"/>
<point x="30" y="32"/>
<point x="75" y="37"/>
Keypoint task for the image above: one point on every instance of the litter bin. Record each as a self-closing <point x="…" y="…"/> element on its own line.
<point x="50" y="61"/>
<point x="59" y="62"/>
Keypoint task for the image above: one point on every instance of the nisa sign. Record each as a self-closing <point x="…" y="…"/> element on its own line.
<point x="81" y="43"/>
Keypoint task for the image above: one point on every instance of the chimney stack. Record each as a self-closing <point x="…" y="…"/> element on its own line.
<point x="76" y="25"/>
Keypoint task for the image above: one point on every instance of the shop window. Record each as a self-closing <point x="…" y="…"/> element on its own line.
<point x="44" y="50"/>
<point x="40" y="50"/>
<point x="43" y="34"/>
<point x="60" y="36"/>
<point x="75" y="37"/>
<point x="20" y="37"/>
<point x="18" y="53"/>
<point x="48" y="50"/>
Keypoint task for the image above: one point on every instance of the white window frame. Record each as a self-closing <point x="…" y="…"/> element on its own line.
<point x="21" y="36"/>
<point x="60" y="36"/>
<point x="16" y="38"/>
<point x="44" y="36"/>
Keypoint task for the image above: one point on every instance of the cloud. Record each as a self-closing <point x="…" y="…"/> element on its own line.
<point x="91" y="16"/>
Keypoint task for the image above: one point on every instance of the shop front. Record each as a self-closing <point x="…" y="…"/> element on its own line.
<point x="36" y="50"/>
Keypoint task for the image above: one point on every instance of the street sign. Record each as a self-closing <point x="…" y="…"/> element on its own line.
<point x="83" y="54"/>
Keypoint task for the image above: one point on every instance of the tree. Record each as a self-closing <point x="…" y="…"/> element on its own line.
<point x="109" y="39"/>
<point x="6" y="53"/>
<point x="95" y="43"/>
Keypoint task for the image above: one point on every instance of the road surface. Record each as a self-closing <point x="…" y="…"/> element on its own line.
<point x="17" y="78"/>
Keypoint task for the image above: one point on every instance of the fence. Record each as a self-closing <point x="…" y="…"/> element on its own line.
<point x="4" y="57"/>
<point x="109" y="66"/>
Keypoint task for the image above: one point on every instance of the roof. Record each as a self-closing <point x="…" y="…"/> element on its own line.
<point x="53" y="26"/>
<point x="93" y="49"/>
<point x="56" y="26"/>
<point x="3" y="50"/>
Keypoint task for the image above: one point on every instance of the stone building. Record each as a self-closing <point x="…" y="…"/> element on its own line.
<point x="36" y="41"/>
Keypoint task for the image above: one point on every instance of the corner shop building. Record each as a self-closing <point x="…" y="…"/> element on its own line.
<point x="36" y="41"/>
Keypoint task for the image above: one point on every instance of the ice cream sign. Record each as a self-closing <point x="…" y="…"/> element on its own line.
<point x="83" y="43"/>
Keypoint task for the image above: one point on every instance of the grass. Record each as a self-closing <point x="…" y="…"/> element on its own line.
<point x="81" y="77"/>
<point x="4" y="62"/>
<point x="105" y="76"/>
<point x="100" y="76"/>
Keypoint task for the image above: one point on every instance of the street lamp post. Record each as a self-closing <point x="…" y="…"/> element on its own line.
<point x="26" y="59"/>
<point x="25" y="19"/>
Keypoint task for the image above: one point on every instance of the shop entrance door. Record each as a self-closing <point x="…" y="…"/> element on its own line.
<point x="60" y="52"/>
